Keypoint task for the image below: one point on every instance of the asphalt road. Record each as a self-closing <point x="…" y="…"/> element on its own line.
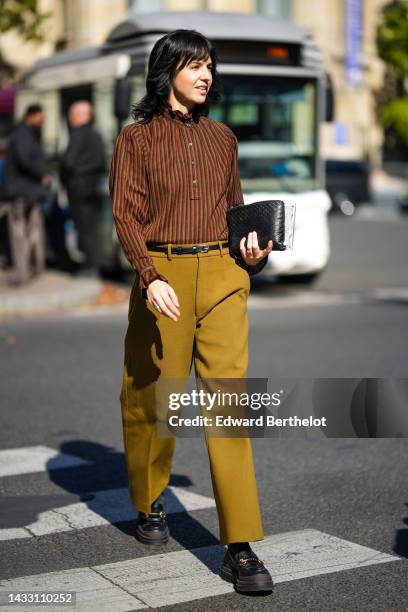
<point x="60" y="383"/>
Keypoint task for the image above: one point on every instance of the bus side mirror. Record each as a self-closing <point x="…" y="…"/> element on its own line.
<point x="329" y="102"/>
<point x="123" y="96"/>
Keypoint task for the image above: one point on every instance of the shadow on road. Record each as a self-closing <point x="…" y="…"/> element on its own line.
<point x="401" y="539"/>
<point x="101" y="483"/>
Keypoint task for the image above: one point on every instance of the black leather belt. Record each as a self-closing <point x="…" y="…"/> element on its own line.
<point x="178" y="250"/>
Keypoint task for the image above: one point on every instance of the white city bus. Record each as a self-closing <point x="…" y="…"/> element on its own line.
<point x="274" y="98"/>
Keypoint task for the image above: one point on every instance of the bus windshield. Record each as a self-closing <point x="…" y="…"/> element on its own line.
<point x="274" y="119"/>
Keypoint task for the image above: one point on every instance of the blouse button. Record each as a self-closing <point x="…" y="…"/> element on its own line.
<point x="194" y="180"/>
<point x="190" y="144"/>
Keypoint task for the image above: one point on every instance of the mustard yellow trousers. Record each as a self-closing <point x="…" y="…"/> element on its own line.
<point x="212" y="331"/>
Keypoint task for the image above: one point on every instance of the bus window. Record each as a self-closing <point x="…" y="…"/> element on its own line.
<point x="274" y="120"/>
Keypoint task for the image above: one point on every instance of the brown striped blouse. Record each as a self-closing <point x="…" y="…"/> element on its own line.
<point x="172" y="180"/>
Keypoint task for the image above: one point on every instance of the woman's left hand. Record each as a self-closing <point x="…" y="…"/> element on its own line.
<point x="251" y="253"/>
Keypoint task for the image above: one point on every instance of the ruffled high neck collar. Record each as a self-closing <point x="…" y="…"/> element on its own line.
<point x="169" y="111"/>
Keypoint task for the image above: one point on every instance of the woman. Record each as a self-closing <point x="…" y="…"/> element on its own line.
<point x="172" y="178"/>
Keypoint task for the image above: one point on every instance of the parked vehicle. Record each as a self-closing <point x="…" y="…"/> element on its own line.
<point x="348" y="184"/>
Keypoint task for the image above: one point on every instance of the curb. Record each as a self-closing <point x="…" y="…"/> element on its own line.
<point x="48" y="292"/>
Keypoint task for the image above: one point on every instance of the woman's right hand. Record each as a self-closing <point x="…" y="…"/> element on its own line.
<point x="163" y="298"/>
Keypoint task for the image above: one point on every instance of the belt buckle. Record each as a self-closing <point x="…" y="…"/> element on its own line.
<point x="204" y="248"/>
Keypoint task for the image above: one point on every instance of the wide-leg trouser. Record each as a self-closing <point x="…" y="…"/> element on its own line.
<point x="212" y="331"/>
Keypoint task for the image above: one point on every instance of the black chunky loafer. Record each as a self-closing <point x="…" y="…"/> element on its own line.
<point x="152" y="528"/>
<point x="246" y="572"/>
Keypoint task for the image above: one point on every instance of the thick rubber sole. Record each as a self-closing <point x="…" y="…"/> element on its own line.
<point x="251" y="584"/>
<point x="163" y="538"/>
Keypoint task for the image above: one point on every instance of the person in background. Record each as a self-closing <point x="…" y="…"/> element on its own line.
<point x="28" y="189"/>
<point x="3" y="149"/>
<point x="27" y="182"/>
<point x="26" y="165"/>
<point x="81" y="167"/>
<point x="4" y="241"/>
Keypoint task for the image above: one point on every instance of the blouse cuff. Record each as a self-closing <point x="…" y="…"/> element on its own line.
<point x="148" y="275"/>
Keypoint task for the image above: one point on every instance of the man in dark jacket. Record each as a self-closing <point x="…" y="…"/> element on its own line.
<point x="28" y="186"/>
<point x="26" y="165"/>
<point x="81" y="169"/>
<point x="26" y="177"/>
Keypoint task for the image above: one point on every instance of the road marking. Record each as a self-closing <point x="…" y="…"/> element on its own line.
<point x="106" y="507"/>
<point x="322" y="298"/>
<point x="93" y="592"/>
<point x="391" y="293"/>
<point x="372" y="212"/>
<point x="188" y="575"/>
<point x="15" y="461"/>
<point x="302" y="298"/>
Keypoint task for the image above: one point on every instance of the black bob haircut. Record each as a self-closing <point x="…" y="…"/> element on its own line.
<point x="33" y="109"/>
<point x="178" y="46"/>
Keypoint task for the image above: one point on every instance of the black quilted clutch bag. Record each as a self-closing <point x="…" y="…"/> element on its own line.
<point x="266" y="218"/>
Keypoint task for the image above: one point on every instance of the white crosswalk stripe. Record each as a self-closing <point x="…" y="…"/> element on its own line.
<point x="103" y="508"/>
<point x="15" y="461"/>
<point x="93" y="592"/>
<point x="106" y="507"/>
<point x="187" y="575"/>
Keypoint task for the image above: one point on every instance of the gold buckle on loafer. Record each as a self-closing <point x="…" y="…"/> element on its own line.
<point x="161" y="514"/>
<point x="245" y="560"/>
